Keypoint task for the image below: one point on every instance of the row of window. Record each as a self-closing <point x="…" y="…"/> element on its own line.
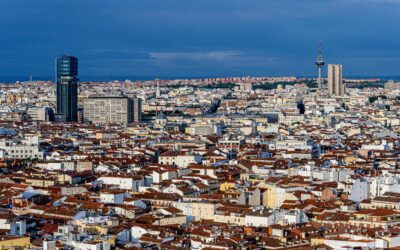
<point x="21" y="151"/>
<point x="23" y="156"/>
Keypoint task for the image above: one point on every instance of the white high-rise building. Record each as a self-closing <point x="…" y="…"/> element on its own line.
<point x="335" y="80"/>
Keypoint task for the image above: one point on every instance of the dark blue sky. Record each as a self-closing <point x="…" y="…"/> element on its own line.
<point x="199" y="37"/>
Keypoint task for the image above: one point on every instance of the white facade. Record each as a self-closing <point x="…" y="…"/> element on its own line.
<point x="159" y="176"/>
<point x="91" y="245"/>
<point x="137" y="232"/>
<point x="182" y="161"/>
<point x="39" y="113"/>
<point x="295" y="217"/>
<point x="20" y="150"/>
<point x="263" y="218"/>
<point x="104" y="110"/>
<point x="111" y="197"/>
<point x="359" y="191"/>
<point x="131" y="183"/>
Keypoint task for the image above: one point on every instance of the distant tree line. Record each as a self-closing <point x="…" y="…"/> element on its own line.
<point x="227" y="85"/>
<point x="269" y="86"/>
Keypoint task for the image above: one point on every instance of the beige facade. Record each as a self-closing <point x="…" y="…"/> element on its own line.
<point x="197" y="210"/>
<point x="335" y="80"/>
<point x="108" y="109"/>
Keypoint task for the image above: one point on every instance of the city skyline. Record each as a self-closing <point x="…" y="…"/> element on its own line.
<point x="200" y="39"/>
<point x="199" y="124"/>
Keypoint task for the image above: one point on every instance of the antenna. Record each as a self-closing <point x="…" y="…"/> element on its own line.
<point x="320" y="63"/>
<point x="320" y="57"/>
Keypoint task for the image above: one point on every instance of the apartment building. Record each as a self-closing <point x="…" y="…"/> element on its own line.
<point x="108" y="110"/>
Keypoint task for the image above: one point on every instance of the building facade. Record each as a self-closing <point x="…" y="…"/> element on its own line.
<point x="108" y="109"/>
<point x="40" y="114"/>
<point x="137" y="110"/>
<point x="67" y="87"/>
<point x="335" y="80"/>
<point x="24" y="149"/>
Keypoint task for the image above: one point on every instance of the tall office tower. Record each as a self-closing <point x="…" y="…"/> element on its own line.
<point x="67" y="88"/>
<point x="335" y="80"/>
<point x="108" y="109"/>
<point x="137" y="110"/>
<point x="320" y="64"/>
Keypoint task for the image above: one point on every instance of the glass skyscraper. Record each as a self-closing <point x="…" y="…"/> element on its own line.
<point x="67" y="88"/>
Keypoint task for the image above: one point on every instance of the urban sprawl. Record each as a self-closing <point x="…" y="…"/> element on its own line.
<point x="211" y="163"/>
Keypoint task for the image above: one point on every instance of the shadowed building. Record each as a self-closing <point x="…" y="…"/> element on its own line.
<point x="137" y="110"/>
<point x="67" y="88"/>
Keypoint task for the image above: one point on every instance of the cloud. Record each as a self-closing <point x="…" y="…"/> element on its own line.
<point x="214" y="63"/>
<point x="196" y="56"/>
<point x="191" y="37"/>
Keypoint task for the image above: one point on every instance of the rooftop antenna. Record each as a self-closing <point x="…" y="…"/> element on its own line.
<point x="320" y="63"/>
